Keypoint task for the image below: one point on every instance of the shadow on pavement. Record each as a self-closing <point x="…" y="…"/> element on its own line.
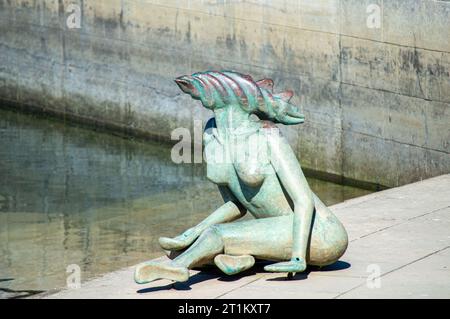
<point x="210" y="273"/>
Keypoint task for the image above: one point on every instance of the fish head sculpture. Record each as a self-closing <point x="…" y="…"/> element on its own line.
<point x="187" y="84"/>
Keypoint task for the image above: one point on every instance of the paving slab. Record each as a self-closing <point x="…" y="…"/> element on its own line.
<point x="399" y="248"/>
<point x="428" y="277"/>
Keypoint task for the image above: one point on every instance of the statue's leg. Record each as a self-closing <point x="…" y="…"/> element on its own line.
<point x="267" y="239"/>
<point x="271" y="239"/>
<point x="203" y="250"/>
<point x="232" y="265"/>
<point x="260" y="237"/>
<point x="229" y="264"/>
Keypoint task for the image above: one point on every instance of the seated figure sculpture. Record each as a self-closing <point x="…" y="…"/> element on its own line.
<point x="291" y="225"/>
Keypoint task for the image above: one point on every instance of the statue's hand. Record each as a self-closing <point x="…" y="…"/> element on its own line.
<point x="294" y="265"/>
<point x="180" y="242"/>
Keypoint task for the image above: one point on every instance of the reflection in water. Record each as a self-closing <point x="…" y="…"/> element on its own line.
<point x="74" y="196"/>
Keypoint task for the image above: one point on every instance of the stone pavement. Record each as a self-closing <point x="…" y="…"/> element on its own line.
<point x="399" y="247"/>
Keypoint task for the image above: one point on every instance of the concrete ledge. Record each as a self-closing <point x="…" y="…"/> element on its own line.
<point x="404" y="233"/>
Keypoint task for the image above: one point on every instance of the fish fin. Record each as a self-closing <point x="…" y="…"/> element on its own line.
<point x="247" y="77"/>
<point x="266" y="84"/>
<point x="287" y="119"/>
<point x="293" y="111"/>
<point x="285" y="96"/>
<point x="291" y="120"/>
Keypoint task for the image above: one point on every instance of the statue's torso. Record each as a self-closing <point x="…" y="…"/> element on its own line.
<point x="252" y="180"/>
<point x="253" y="183"/>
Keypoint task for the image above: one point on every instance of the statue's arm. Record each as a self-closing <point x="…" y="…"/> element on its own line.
<point x="293" y="180"/>
<point x="229" y="211"/>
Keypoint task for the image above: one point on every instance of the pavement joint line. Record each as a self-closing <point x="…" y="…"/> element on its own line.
<point x="395" y="269"/>
<point x="323" y="274"/>
<point x="247" y="283"/>
<point x="400" y="223"/>
<point x="434" y="211"/>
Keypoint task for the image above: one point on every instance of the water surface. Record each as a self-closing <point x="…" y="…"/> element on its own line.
<point x="69" y="195"/>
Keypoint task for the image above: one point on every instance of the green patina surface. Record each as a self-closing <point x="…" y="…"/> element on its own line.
<point x="256" y="172"/>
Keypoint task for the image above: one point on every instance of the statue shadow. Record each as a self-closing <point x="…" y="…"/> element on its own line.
<point x="209" y="273"/>
<point x="204" y="275"/>
<point x="339" y="265"/>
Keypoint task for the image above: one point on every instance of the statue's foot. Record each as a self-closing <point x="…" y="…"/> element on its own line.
<point x="231" y="265"/>
<point x="180" y="242"/>
<point x="152" y="270"/>
<point x="293" y="266"/>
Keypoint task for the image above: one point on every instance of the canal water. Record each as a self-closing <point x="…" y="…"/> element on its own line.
<point x="72" y="196"/>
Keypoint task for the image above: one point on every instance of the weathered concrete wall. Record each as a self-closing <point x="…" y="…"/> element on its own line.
<point x="376" y="100"/>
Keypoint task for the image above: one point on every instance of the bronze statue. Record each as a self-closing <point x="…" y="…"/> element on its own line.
<point x="256" y="172"/>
